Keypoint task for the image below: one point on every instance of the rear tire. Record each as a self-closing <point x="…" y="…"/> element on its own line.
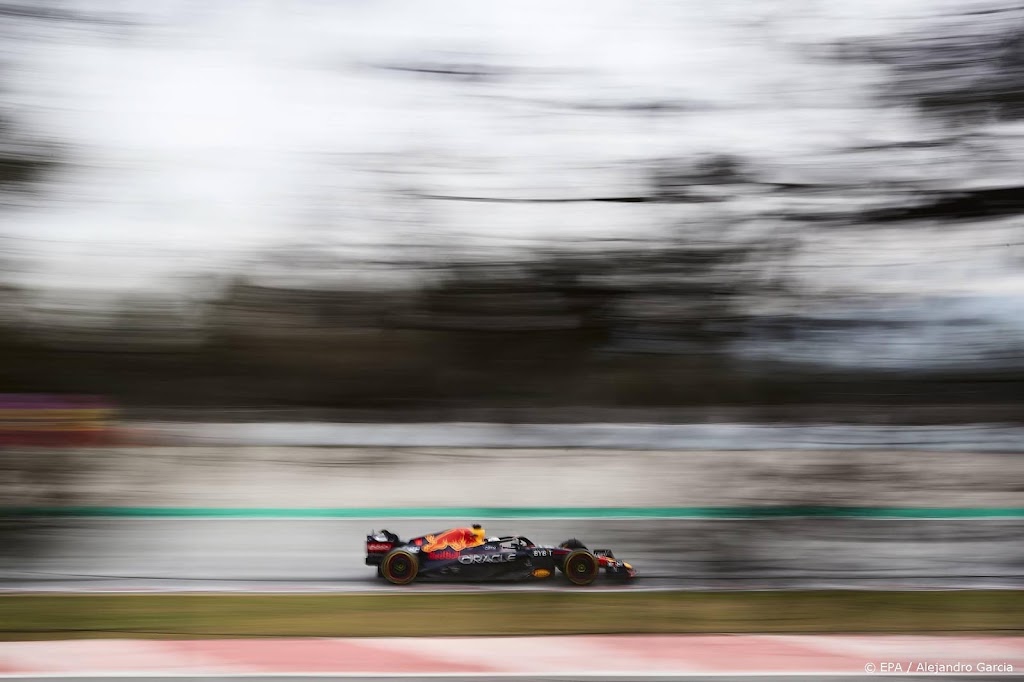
<point x="400" y="567"/>
<point x="581" y="567"/>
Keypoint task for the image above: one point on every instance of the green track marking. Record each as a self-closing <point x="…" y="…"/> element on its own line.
<point x="725" y="513"/>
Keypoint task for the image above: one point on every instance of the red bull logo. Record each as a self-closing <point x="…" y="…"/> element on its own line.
<point x="456" y="539"/>
<point x="443" y="554"/>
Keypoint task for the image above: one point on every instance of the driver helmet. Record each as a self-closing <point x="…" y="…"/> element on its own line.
<point x="479" y="534"/>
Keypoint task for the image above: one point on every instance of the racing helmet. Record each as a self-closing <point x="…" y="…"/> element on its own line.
<point x="479" y="534"/>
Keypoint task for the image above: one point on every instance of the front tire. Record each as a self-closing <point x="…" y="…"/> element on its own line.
<point x="581" y="567"/>
<point x="400" y="567"/>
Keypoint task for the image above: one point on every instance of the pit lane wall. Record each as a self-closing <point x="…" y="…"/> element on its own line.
<point x="360" y="478"/>
<point x="954" y="437"/>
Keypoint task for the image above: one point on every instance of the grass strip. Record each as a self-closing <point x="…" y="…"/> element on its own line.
<point x="178" y="616"/>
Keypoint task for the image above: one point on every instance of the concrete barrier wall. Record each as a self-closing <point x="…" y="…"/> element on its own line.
<point x="980" y="437"/>
<point x="452" y="477"/>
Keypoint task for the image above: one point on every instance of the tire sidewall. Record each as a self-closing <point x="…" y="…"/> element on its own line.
<point x="575" y="577"/>
<point x="393" y="556"/>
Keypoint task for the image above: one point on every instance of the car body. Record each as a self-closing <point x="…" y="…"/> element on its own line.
<point x="465" y="554"/>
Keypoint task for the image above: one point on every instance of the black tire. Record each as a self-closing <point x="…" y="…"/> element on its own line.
<point x="581" y="567"/>
<point x="571" y="543"/>
<point x="400" y="567"/>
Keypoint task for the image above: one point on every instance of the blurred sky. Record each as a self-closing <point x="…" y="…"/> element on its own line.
<point x="197" y="133"/>
<point x="199" y="130"/>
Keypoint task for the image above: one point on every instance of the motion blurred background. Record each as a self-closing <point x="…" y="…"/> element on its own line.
<point x="605" y="211"/>
<point x="582" y="225"/>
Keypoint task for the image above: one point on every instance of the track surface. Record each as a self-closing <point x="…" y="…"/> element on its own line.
<point x="616" y="678"/>
<point x="327" y="555"/>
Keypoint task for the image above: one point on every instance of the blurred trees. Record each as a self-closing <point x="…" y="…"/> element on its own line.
<point x="642" y="324"/>
<point x="630" y="327"/>
<point x="964" y="70"/>
<point x="966" y="67"/>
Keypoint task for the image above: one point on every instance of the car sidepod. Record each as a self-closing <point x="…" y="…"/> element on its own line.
<point x="488" y="562"/>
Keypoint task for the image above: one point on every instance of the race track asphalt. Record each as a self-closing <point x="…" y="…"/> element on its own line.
<point x="483" y="678"/>
<point x="299" y="555"/>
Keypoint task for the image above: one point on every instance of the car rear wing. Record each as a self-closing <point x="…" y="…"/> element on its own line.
<point x="379" y="543"/>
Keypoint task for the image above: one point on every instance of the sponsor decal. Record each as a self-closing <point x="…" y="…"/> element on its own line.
<point x="378" y="546"/>
<point x="487" y="558"/>
<point x="456" y="539"/>
<point x="541" y="552"/>
<point x="541" y="573"/>
<point x="443" y="554"/>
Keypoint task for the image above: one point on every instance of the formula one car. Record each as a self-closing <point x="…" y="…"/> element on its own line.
<point x="467" y="554"/>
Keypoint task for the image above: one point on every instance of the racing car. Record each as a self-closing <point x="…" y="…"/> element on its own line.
<point x="467" y="554"/>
